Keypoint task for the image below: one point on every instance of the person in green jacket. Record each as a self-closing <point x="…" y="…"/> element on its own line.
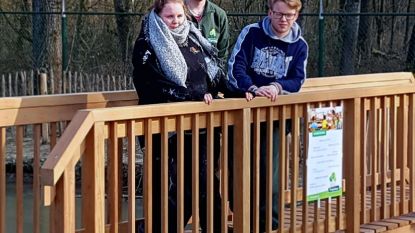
<point x="212" y="21"/>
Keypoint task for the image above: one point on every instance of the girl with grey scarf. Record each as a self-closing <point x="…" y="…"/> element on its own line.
<point x="174" y="62"/>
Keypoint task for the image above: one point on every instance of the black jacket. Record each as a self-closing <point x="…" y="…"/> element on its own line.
<point x="153" y="87"/>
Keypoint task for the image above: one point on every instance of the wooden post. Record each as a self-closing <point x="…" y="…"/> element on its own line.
<point x="2" y="179"/>
<point x="242" y="174"/>
<point x="10" y="85"/>
<point x="16" y="84"/>
<point x="3" y="86"/>
<point x="352" y="156"/>
<point x="44" y="91"/>
<point x="93" y="177"/>
<point x="24" y="83"/>
<point x="30" y="83"/>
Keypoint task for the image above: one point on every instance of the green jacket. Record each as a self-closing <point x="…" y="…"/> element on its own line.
<point x="214" y="26"/>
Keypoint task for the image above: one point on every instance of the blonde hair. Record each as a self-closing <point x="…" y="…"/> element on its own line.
<point x="293" y="4"/>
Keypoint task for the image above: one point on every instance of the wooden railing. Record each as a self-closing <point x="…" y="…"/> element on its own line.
<point x="29" y="129"/>
<point x="378" y="161"/>
<point x="378" y="127"/>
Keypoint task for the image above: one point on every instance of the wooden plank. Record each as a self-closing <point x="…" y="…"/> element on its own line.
<point x="210" y="172"/>
<point x="364" y="166"/>
<point x="131" y="176"/>
<point x="352" y="162"/>
<point x="113" y="176"/>
<point x="148" y="177"/>
<point x="19" y="179"/>
<point x="195" y="172"/>
<point x="164" y="176"/>
<point x="269" y="170"/>
<point x="256" y="169"/>
<point x="384" y="156"/>
<point x="402" y="150"/>
<point x="65" y="201"/>
<point x="224" y="183"/>
<point x="388" y="225"/>
<point x="376" y="228"/>
<point x="282" y="169"/>
<point x="373" y="142"/>
<point x="400" y="222"/>
<point x="36" y="178"/>
<point x="242" y="174"/>
<point x="2" y="179"/>
<point x="411" y="151"/>
<point x="295" y="160"/>
<point x="180" y="174"/>
<point x="305" y="179"/>
<point x="93" y="177"/>
<point x="393" y="154"/>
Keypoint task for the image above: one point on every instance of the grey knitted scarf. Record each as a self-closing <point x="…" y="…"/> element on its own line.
<point x="166" y="46"/>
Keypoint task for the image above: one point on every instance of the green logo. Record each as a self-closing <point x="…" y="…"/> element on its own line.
<point x="212" y="37"/>
<point x="212" y="33"/>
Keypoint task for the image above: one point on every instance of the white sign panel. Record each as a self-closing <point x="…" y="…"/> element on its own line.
<point x="325" y="152"/>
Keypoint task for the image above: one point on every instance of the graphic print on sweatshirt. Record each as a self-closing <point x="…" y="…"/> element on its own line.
<point x="270" y="62"/>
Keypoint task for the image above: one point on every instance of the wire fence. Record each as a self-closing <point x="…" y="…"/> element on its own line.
<point x="100" y="44"/>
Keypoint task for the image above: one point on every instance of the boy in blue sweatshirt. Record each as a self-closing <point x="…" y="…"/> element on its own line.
<point x="270" y="59"/>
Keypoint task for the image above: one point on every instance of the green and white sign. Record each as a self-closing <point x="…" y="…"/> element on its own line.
<point x="325" y="153"/>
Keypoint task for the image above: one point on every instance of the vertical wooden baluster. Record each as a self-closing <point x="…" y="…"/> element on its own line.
<point x="180" y="173"/>
<point x="131" y="176"/>
<point x="164" y="175"/>
<point x="352" y="155"/>
<point x="305" y="153"/>
<point x="364" y="166"/>
<point x="93" y="179"/>
<point x="148" y="177"/>
<point x="411" y="152"/>
<point x="113" y="175"/>
<point x="283" y="172"/>
<point x="256" y="168"/>
<point x="269" y="170"/>
<point x="195" y="173"/>
<point x="19" y="179"/>
<point x="2" y="179"/>
<point x="385" y="156"/>
<point x="224" y="172"/>
<point x="393" y="151"/>
<point x="36" y="178"/>
<point x="210" y="172"/>
<point x="294" y="164"/>
<point x="373" y="129"/>
<point x="242" y="173"/>
<point x="403" y="151"/>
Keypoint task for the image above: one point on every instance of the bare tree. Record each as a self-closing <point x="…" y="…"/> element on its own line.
<point x="350" y="33"/>
<point x="410" y="57"/>
<point x="124" y="27"/>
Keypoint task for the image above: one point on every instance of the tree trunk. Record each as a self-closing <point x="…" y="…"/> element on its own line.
<point x="410" y="57"/>
<point x="407" y="27"/>
<point x="124" y="31"/>
<point x="39" y="34"/>
<point x="55" y="58"/>
<point x="392" y="31"/>
<point x="365" y="27"/>
<point x="350" y="33"/>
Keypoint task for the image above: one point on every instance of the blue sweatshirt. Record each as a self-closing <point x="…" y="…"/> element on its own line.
<point x="260" y="58"/>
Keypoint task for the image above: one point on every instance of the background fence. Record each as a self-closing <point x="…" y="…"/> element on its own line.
<point x="94" y="48"/>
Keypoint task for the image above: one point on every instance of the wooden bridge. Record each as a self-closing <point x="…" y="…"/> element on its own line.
<point x="100" y="131"/>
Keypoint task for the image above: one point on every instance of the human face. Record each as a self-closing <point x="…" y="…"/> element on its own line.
<point x="173" y="14"/>
<point x="282" y="18"/>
